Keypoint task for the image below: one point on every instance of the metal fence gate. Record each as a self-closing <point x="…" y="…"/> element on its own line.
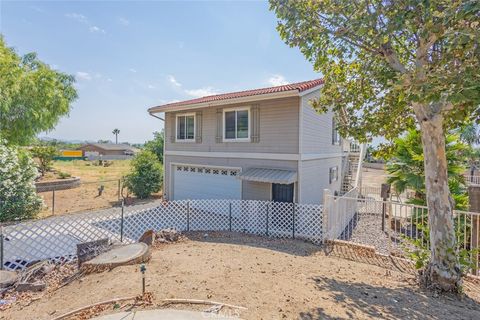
<point x="392" y="228"/>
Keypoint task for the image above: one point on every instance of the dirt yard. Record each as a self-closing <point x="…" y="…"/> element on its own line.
<point x="86" y="197"/>
<point x="274" y="279"/>
<point x="91" y="173"/>
<point x="373" y="177"/>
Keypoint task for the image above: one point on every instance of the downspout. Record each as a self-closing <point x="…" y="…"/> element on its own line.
<point x="156" y="117"/>
<point x="164" y="139"/>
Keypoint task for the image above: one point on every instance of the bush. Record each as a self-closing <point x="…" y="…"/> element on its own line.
<point x="45" y="155"/>
<point x="146" y="176"/>
<point x="18" y="197"/>
<point x="64" y="175"/>
<point x="156" y="145"/>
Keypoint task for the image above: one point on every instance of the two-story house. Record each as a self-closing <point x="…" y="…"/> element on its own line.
<point x="262" y="144"/>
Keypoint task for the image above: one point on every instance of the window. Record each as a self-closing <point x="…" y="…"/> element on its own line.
<point x="333" y="176"/>
<point x="335" y="133"/>
<point x="236" y="124"/>
<point x="185" y="127"/>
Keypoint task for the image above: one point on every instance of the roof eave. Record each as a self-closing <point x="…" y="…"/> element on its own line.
<point x="258" y="97"/>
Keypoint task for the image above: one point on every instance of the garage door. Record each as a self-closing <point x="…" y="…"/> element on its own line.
<point x="192" y="182"/>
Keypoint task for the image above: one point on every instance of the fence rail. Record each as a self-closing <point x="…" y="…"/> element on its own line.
<point x="395" y="228"/>
<point x="472" y="180"/>
<point x="55" y="238"/>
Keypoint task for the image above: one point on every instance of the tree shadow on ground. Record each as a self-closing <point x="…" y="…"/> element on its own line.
<point x="360" y="300"/>
<point x="357" y="254"/>
<point x="290" y="246"/>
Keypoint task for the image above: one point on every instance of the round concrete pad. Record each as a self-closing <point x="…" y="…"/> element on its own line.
<point x="121" y="255"/>
<point x="162" y="314"/>
<point x="7" y="278"/>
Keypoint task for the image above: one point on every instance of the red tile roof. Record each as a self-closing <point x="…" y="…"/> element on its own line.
<point x="300" y="86"/>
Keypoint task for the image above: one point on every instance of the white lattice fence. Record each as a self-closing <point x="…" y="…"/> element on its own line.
<point x="56" y="238"/>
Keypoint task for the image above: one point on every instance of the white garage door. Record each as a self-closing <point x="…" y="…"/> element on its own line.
<point x="192" y="182"/>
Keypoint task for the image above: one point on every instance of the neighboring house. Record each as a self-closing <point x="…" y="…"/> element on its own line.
<point x="108" y="149"/>
<point x="263" y="144"/>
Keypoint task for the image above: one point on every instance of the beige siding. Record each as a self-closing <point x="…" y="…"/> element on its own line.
<point x="278" y="130"/>
<point x="256" y="190"/>
<point x="316" y="128"/>
<point x="244" y="164"/>
<point x="314" y="178"/>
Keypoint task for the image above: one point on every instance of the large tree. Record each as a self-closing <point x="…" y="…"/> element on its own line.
<point x="33" y="96"/>
<point x="393" y="65"/>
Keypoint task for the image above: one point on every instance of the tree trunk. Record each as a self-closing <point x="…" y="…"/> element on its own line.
<point x="443" y="271"/>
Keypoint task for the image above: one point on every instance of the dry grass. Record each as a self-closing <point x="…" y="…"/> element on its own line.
<point x="274" y="279"/>
<point x="86" y="197"/>
<point x="91" y="173"/>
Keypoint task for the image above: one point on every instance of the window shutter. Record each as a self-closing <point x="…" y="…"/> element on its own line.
<point x="255" y="123"/>
<point x="198" y="127"/>
<point x="173" y="129"/>
<point x="219" y="135"/>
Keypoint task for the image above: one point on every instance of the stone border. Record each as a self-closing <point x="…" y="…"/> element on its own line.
<point x="59" y="184"/>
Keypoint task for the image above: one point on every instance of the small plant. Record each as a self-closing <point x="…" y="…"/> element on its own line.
<point x="419" y="252"/>
<point x="63" y="175"/>
<point x="146" y="176"/>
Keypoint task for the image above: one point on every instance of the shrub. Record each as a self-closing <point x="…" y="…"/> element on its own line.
<point x="146" y="176"/>
<point x="156" y="145"/>
<point x="18" y="197"/>
<point x="45" y="155"/>
<point x="63" y="175"/>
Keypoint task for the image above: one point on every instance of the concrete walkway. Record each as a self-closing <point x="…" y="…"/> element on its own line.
<point x="164" y="314"/>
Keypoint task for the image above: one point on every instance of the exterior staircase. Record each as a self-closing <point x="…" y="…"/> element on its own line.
<point x="352" y="167"/>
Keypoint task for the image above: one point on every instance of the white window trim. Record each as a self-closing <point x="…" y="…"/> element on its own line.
<point x="335" y="133"/>
<point x="335" y="178"/>
<point x="249" y="125"/>
<point x="194" y="127"/>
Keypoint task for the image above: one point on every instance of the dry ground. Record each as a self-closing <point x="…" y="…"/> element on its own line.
<point x="373" y="177"/>
<point x="90" y="173"/>
<point x="86" y="197"/>
<point x="274" y="279"/>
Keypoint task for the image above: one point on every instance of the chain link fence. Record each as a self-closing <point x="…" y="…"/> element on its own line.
<point x="82" y="197"/>
<point x="55" y="238"/>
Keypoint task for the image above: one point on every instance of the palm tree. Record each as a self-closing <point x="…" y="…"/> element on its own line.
<point x="470" y="134"/>
<point x="406" y="167"/>
<point x="116" y="132"/>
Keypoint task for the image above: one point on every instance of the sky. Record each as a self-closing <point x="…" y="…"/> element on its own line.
<point x="128" y="56"/>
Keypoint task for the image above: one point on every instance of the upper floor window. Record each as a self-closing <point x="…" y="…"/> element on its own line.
<point x="186" y="127"/>
<point x="236" y="124"/>
<point x="335" y="133"/>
